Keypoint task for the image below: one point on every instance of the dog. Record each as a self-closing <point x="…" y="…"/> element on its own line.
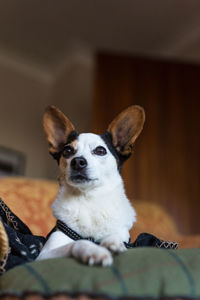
<point x="91" y="200"/>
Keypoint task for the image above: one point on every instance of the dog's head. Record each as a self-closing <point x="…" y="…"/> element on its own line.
<point x="89" y="160"/>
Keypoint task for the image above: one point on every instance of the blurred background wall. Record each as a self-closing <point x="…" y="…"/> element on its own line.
<point x="92" y="59"/>
<point x="164" y="168"/>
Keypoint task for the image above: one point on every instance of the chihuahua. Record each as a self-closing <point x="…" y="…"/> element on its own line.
<point x="91" y="204"/>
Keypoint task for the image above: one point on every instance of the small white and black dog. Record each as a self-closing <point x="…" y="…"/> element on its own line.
<point x="91" y="201"/>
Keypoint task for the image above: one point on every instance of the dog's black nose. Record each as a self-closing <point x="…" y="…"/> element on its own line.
<point x="78" y="163"/>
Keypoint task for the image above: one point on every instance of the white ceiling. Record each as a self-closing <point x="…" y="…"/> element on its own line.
<point x="44" y="32"/>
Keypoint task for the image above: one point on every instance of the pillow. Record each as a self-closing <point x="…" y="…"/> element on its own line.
<point x="137" y="273"/>
<point x="30" y="200"/>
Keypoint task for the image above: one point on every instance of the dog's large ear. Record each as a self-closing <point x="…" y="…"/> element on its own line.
<point x="125" y="129"/>
<point x="57" y="128"/>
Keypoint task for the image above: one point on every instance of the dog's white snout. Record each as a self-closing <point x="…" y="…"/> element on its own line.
<point x="78" y="163"/>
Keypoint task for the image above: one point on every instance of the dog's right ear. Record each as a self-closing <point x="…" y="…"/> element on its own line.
<point x="57" y="128"/>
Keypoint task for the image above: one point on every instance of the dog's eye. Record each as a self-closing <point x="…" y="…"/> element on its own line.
<point x="68" y="151"/>
<point x="100" y="151"/>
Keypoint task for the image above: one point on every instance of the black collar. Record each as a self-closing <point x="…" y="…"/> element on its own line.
<point x="143" y="240"/>
<point x="71" y="233"/>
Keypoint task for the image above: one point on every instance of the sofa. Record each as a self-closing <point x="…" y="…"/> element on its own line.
<point x="139" y="273"/>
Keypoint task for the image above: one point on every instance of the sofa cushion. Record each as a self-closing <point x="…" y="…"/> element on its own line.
<point x="140" y="272"/>
<point x="30" y="200"/>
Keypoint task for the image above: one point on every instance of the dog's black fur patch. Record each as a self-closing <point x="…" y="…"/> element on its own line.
<point x="107" y="138"/>
<point x="72" y="137"/>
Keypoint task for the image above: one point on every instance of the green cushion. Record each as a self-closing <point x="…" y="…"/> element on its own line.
<point x="140" y="272"/>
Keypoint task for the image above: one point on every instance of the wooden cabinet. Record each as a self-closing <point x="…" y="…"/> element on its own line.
<point x="165" y="166"/>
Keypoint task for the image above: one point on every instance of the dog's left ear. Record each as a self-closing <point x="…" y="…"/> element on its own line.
<point x="125" y="129"/>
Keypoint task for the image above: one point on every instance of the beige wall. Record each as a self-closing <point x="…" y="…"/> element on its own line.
<point x="22" y="99"/>
<point x="24" y="94"/>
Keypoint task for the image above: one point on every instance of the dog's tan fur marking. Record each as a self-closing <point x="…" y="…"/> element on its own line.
<point x="74" y="145"/>
<point x="126" y="127"/>
<point x="63" y="163"/>
<point x="62" y="166"/>
<point x="57" y="128"/>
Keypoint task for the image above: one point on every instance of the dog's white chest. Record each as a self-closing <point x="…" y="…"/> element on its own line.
<point x="95" y="218"/>
<point x="90" y="220"/>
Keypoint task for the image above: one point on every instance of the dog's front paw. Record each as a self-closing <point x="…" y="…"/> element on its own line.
<point x="91" y="254"/>
<point x="114" y="244"/>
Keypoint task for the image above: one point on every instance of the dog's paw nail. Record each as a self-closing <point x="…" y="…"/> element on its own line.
<point x="107" y="261"/>
<point x="91" y="261"/>
<point x="104" y="258"/>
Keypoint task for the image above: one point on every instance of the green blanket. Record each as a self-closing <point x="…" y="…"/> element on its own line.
<point x="140" y="272"/>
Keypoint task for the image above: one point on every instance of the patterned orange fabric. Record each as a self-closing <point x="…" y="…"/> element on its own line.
<point x="30" y="200"/>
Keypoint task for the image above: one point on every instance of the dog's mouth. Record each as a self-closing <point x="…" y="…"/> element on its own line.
<point x="79" y="178"/>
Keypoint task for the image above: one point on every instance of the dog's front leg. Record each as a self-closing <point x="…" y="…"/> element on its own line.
<point x="59" y="245"/>
<point x="115" y="242"/>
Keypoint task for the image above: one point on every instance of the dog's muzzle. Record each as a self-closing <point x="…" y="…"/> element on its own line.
<point x="78" y="167"/>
